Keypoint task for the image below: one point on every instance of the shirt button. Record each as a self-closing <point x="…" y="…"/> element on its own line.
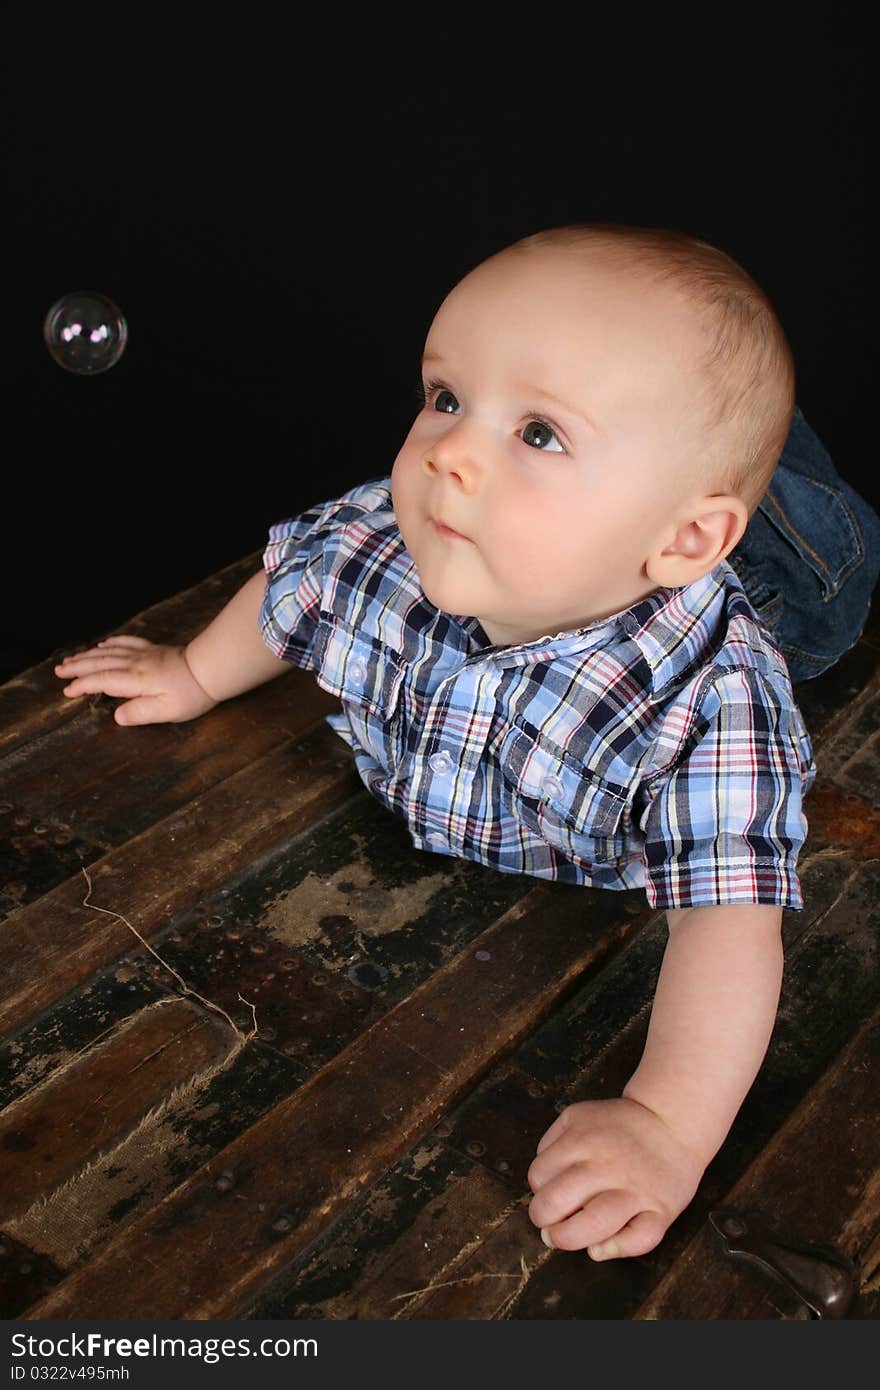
<point x="358" y="671"/>
<point x="552" y="787"/>
<point x="435" y="838"/>
<point x="441" y="763"/>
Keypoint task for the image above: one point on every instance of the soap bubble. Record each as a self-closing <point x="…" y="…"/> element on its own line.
<point x="85" y="332"/>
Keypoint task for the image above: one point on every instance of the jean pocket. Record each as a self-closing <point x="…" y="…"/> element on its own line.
<point x="817" y="521"/>
<point x="767" y="602"/>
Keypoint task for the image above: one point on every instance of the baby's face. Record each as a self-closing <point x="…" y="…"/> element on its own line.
<point x="559" y="503"/>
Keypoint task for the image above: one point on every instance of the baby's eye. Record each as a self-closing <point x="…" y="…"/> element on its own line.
<point x="543" y="425"/>
<point x="436" y="392"/>
<point x="431" y="392"/>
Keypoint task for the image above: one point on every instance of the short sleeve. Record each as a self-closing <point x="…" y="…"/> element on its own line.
<point x="295" y="561"/>
<point x="725" y="823"/>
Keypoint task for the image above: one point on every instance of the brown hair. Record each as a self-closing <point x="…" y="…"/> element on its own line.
<point x="747" y="367"/>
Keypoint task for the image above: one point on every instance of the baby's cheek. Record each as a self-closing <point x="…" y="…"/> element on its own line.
<point x="530" y="556"/>
<point x="403" y="493"/>
<point x="533" y="544"/>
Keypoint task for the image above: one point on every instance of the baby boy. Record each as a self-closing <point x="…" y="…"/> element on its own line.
<point x="546" y="664"/>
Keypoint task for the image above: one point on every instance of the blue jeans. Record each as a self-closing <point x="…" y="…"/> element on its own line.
<point x="809" y="558"/>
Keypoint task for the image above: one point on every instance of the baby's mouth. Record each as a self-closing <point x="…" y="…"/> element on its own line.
<point x="443" y="530"/>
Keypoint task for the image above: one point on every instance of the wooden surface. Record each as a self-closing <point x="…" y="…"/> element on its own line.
<point x="320" y="1097"/>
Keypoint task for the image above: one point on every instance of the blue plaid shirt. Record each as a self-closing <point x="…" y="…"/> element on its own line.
<point x="660" y="748"/>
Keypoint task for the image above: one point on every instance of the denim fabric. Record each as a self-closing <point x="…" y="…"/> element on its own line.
<point x="809" y="558"/>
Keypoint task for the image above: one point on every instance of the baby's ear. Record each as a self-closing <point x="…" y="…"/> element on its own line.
<point x="736" y="514"/>
<point x="700" y="542"/>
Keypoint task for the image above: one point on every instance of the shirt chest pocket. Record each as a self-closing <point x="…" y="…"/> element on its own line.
<point x="359" y="669"/>
<point x="576" y="812"/>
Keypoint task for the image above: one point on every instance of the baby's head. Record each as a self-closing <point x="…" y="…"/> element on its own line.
<point x="605" y="408"/>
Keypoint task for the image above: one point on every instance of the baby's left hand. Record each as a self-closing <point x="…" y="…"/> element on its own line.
<point x="610" y="1173"/>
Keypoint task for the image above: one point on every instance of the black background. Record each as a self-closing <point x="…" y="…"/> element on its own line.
<point x="279" y="204"/>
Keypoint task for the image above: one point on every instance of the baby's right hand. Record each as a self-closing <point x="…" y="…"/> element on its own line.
<point x="161" y="687"/>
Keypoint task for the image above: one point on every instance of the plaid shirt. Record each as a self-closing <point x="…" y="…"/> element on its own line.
<point x="660" y="748"/>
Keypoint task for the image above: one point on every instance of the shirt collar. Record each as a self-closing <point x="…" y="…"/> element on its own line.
<point x="670" y="627"/>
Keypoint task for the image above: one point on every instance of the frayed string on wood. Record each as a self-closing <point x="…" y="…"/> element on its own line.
<point x="186" y="989"/>
<point x="467" y="1279"/>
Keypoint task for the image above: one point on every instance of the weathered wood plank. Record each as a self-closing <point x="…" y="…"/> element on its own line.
<point x="489" y="1274"/>
<point x="83" y="789"/>
<point x="53" y="944"/>
<point x="76" y="1023"/>
<point x="420" y="1215"/>
<point x="48" y="1135"/>
<point x="840" y="823"/>
<point x="311" y="1155"/>
<point x="25" y="1276"/>
<point x="31" y="703"/>
<point x="817" y="1180"/>
<point x="171" y="1140"/>
<point x="586" y="1050"/>
<point x="36" y="854"/>
<point x="323" y="932"/>
<point x="108" y="784"/>
<point x="826" y="700"/>
<point x="850" y="747"/>
<point x="248" y="939"/>
<point x="791" y="918"/>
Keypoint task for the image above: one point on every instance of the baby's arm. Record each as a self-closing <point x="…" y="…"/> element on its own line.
<point x="616" y="1173"/>
<point x="230" y="656"/>
<point x="713" y="1015"/>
